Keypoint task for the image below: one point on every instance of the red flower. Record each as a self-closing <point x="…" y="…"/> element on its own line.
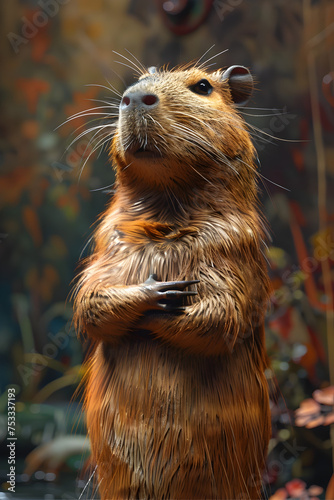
<point x="295" y="488"/>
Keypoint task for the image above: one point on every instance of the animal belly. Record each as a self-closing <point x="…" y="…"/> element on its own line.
<point x="165" y="426"/>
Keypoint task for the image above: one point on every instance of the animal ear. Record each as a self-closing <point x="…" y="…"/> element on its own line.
<point x="240" y="82"/>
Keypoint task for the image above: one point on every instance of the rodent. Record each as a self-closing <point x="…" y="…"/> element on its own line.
<point x="174" y="296"/>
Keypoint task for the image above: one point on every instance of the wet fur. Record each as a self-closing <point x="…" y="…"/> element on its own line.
<point x="177" y="404"/>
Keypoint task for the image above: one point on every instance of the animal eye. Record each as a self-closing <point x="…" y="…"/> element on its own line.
<point x="202" y="87"/>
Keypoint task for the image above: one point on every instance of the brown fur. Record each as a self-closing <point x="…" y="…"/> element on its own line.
<point x="177" y="402"/>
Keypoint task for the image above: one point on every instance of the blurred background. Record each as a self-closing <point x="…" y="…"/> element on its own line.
<point x="51" y="53"/>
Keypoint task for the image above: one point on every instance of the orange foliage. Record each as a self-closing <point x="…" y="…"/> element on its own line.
<point x="41" y="41"/>
<point x="31" y="222"/>
<point x="81" y="103"/>
<point x="32" y="88"/>
<point x="43" y="284"/>
<point x="30" y="129"/>
<point x="13" y="184"/>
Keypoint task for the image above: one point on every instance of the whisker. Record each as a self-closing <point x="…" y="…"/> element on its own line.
<point x="262" y="109"/>
<point x="261" y="116"/>
<point x="207" y="66"/>
<point x="88" y="481"/>
<point x="127" y="166"/>
<point x="114" y="89"/>
<point x="109" y="104"/>
<point x="229" y="118"/>
<point x="155" y="121"/>
<point x="204" y="63"/>
<point x="83" y="115"/>
<point x="86" y="245"/>
<point x="203" y="177"/>
<point x="274" y="183"/>
<point x="134" y="66"/>
<point x="84" y="164"/>
<point x="85" y="132"/>
<point x="208" y="50"/>
<point x="136" y="59"/>
<point x="263" y="177"/>
<point x="130" y="67"/>
<point x="163" y="138"/>
<point x="202" y="122"/>
<point x="79" y="113"/>
<point x="104" y="87"/>
<point x="157" y="147"/>
<point x="82" y="134"/>
<point x="207" y="147"/>
<point x="102" y="188"/>
<point x="100" y="142"/>
<point x="252" y="130"/>
<point x="119" y="76"/>
<point x="294" y="141"/>
<point x="90" y="129"/>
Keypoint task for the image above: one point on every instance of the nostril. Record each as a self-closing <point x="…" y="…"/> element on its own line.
<point x="134" y="100"/>
<point x="149" y="99"/>
<point x="126" y="100"/>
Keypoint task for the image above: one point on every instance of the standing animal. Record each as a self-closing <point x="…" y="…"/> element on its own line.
<point x="174" y="296"/>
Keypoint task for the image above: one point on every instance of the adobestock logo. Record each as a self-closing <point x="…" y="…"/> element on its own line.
<point x="30" y="28"/>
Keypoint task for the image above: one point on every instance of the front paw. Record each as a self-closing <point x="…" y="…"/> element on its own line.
<point x="167" y="295"/>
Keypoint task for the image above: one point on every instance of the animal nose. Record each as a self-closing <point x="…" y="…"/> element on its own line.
<point x="139" y="100"/>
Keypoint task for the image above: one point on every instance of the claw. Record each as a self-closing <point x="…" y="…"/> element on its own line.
<point x="170" y="291"/>
<point x="151" y="280"/>
<point x="177" y="285"/>
<point x="168" y="285"/>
